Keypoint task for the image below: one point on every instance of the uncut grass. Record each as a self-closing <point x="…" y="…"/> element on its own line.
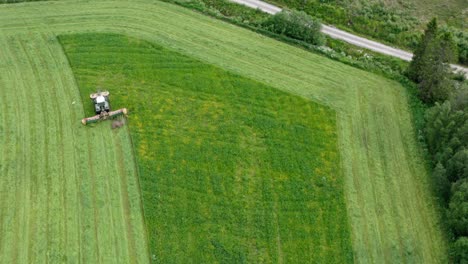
<point x="231" y="170"/>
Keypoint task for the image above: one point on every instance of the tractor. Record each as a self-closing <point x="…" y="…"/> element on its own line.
<point x="102" y="108"/>
<point x="101" y="102"/>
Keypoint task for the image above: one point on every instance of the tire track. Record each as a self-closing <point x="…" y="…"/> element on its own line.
<point x="95" y="215"/>
<point x="117" y="196"/>
<point x="21" y="181"/>
<point x="23" y="185"/>
<point x="106" y="173"/>
<point x="69" y="119"/>
<point x="131" y="247"/>
<point x="7" y="212"/>
<point x="27" y="43"/>
<point x="26" y="76"/>
<point x="38" y="53"/>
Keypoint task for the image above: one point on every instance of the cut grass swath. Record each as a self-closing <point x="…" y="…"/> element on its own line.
<point x="67" y="194"/>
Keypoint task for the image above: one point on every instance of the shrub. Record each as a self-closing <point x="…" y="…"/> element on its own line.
<point x="461" y="39"/>
<point x="458" y="208"/>
<point x="297" y="25"/>
<point x="460" y="250"/>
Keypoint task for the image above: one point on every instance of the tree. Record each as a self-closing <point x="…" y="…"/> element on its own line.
<point x="430" y="65"/>
<point x="435" y="84"/>
<point x="460" y="250"/>
<point x="458" y="208"/>
<point x="448" y="48"/>
<point x="459" y="98"/>
<point x="442" y="183"/>
<point x="446" y="131"/>
<point x="439" y="127"/>
<point x="457" y="165"/>
<point x="421" y="52"/>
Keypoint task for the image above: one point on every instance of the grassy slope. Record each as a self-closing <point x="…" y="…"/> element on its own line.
<point x="67" y="193"/>
<point x="390" y="208"/>
<point x="231" y="170"/>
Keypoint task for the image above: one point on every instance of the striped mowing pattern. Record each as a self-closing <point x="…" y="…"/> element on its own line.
<point x="390" y="208"/>
<point x="68" y="193"/>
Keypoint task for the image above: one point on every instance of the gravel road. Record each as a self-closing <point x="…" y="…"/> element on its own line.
<point x="345" y="36"/>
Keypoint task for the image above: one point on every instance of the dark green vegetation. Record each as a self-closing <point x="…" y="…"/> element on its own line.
<point x="231" y="170"/>
<point x="446" y="130"/>
<point x="430" y="65"/>
<point x="396" y="22"/>
<point x="447" y="139"/>
<point x="295" y="24"/>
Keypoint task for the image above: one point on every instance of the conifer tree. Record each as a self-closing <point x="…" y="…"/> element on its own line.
<point x="448" y="48"/>
<point x="421" y="53"/>
<point x="430" y="65"/>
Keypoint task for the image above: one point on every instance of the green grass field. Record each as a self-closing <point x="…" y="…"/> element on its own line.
<point x="67" y="194"/>
<point x="231" y="170"/>
<point x="390" y="209"/>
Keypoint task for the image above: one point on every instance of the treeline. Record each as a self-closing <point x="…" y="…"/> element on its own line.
<point x="446" y="130"/>
<point x="447" y="138"/>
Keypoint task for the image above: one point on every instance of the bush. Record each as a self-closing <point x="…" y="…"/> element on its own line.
<point x="461" y="39"/>
<point x="297" y="25"/>
<point x="460" y="250"/>
<point x="458" y="208"/>
<point x="442" y="184"/>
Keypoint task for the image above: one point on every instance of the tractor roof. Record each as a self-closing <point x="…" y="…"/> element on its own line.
<point x="100" y="99"/>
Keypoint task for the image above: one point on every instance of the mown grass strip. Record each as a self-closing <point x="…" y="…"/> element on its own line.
<point x="47" y="213"/>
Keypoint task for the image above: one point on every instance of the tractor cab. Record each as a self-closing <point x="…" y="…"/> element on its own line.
<point x="101" y="102"/>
